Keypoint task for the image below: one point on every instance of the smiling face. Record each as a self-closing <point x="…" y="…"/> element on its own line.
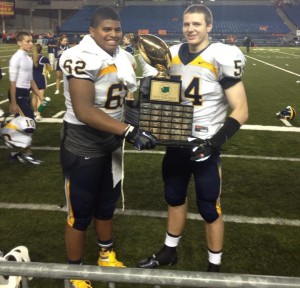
<point x="107" y="35"/>
<point x="195" y="30"/>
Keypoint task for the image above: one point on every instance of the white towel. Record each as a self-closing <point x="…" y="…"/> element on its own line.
<point x="117" y="166"/>
<point x="125" y="72"/>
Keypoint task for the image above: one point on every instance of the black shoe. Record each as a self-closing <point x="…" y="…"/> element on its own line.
<point x="166" y="256"/>
<point x="213" y="267"/>
<point x="14" y="156"/>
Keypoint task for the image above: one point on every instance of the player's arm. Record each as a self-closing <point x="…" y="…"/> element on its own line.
<point x="236" y="97"/>
<point x="13" y="107"/>
<point x="237" y="100"/>
<point x="82" y="93"/>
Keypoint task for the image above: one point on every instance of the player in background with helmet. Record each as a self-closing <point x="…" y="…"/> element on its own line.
<point x="21" y="82"/>
<point x="41" y="70"/>
<point x="211" y="81"/>
<point x="97" y="76"/>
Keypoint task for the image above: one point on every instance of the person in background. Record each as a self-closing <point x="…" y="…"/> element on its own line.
<point x="97" y="76"/>
<point x="61" y="47"/>
<point x="52" y="45"/>
<point x="247" y="43"/>
<point x="41" y="70"/>
<point x="127" y="41"/>
<point x="20" y="83"/>
<point x="211" y="81"/>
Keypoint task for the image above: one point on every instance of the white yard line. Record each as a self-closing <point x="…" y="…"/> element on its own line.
<point x="159" y="214"/>
<point x="249" y="157"/>
<point x="274" y="66"/>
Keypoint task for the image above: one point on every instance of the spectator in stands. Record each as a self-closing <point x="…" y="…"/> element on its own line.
<point x="21" y="81"/>
<point x="211" y="79"/>
<point x="61" y="47"/>
<point x="127" y="41"/>
<point x="97" y="76"/>
<point x="41" y="70"/>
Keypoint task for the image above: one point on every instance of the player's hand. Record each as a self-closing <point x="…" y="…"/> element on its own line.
<point x="139" y="138"/>
<point x="203" y="151"/>
<point x="42" y="98"/>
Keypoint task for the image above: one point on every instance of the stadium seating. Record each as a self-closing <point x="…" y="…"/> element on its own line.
<point x="229" y="19"/>
<point x="294" y="13"/>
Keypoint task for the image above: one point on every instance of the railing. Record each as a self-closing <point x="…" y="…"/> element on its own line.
<point x="143" y="276"/>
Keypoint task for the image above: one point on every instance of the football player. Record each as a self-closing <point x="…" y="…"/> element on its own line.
<point x="21" y="82"/>
<point x="97" y="76"/>
<point x="17" y="133"/>
<point x="211" y="80"/>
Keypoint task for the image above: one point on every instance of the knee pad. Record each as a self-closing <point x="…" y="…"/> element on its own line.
<point x="209" y="211"/>
<point x="106" y="211"/>
<point x="80" y="224"/>
<point x="175" y="200"/>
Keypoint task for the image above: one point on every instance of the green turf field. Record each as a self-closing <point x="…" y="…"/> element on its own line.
<point x="260" y="197"/>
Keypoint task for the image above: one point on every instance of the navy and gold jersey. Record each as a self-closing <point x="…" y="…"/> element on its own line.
<point x="88" y="61"/>
<point x="202" y="75"/>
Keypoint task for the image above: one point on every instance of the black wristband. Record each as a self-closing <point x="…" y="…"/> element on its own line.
<point x="230" y="127"/>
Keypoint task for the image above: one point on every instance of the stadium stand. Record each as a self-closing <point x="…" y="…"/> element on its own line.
<point x="260" y="21"/>
<point x="293" y="13"/>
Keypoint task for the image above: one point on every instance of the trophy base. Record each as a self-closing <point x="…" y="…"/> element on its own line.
<point x="170" y="123"/>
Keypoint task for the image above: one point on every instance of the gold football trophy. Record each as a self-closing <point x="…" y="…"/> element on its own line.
<point x="157" y="54"/>
<point x="163" y="115"/>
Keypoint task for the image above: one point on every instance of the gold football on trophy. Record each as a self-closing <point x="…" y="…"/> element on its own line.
<point x="156" y="53"/>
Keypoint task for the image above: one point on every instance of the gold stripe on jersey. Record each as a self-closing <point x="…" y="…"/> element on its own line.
<point x="198" y="61"/>
<point x="108" y="70"/>
<point x="11" y="126"/>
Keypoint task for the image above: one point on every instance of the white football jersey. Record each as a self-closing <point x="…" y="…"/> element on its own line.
<point x="88" y="61"/>
<point x="200" y="83"/>
<point x="18" y="132"/>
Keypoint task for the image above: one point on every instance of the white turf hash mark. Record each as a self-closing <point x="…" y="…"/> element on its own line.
<point x="158" y="214"/>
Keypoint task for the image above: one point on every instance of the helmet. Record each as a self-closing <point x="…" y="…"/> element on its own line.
<point x="18" y="132"/>
<point x="18" y="254"/>
<point x="287" y="113"/>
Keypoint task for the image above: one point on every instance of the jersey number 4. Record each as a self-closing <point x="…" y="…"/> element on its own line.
<point x="192" y="91"/>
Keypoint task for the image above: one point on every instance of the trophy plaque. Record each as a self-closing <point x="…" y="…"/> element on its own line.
<point x="162" y="114"/>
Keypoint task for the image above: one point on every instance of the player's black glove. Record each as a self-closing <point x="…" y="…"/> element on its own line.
<point x="204" y="149"/>
<point x="139" y="138"/>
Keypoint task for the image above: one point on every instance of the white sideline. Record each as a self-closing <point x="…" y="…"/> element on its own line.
<point x="257" y="157"/>
<point x="54" y="119"/>
<point x="159" y="214"/>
